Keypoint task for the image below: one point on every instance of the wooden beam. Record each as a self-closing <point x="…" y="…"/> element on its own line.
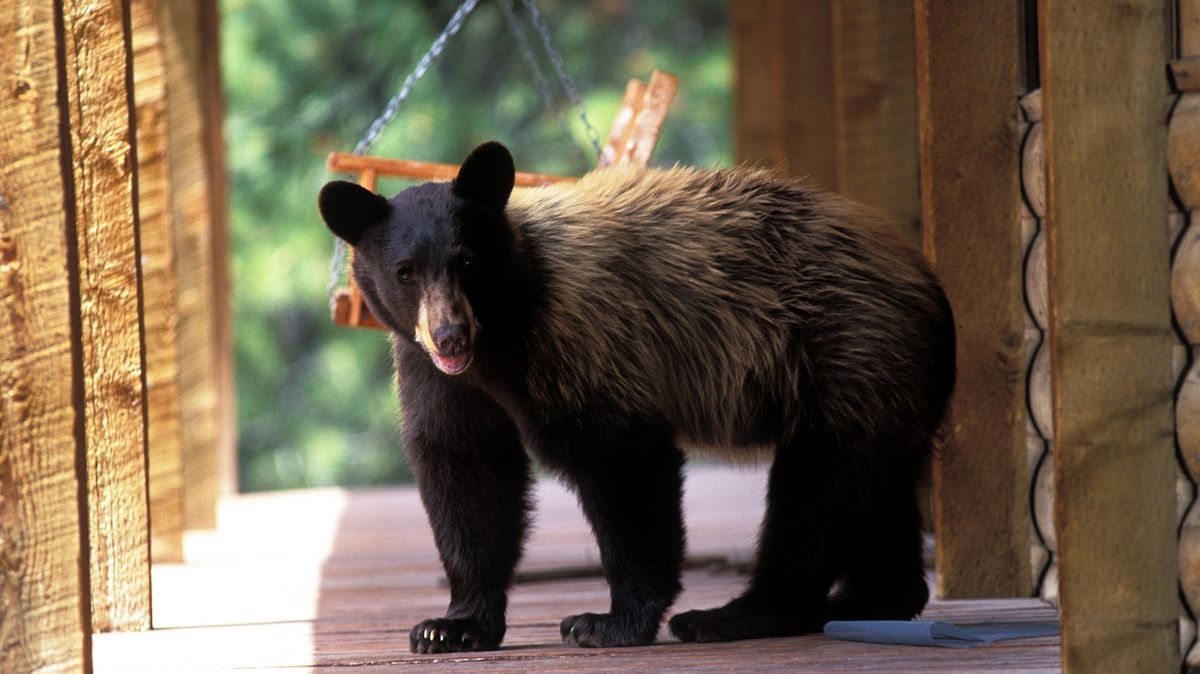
<point x="191" y="209"/>
<point x="968" y="84"/>
<point x="103" y="169"/>
<point x="165" y="455"/>
<point x="1105" y="97"/>
<point x="345" y="162"/>
<point x="45" y="620"/>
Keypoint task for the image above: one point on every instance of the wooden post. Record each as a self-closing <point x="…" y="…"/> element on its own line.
<point x="208" y="30"/>
<point x="45" y="624"/>
<point x="968" y="85"/>
<point x="165" y="456"/>
<point x="825" y="92"/>
<point x="193" y="226"/>
<point x="96" y="48"/>
<point x="1104" y="96"/>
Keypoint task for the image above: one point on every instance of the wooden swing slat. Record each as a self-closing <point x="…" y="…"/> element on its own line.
<point x="631" y="141"/>
<point x="344" y="162"/>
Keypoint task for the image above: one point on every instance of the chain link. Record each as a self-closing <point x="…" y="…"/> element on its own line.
<point x="564" y="78"/>
<point x="338" y="262"/>
<point x="548" y="95"/>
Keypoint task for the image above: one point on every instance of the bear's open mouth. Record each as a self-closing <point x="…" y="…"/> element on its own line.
<point x="454" y="364"/>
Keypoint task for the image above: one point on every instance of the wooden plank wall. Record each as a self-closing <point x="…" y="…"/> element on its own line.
<point x="825" y="91"/>
<point x="1104" y="97"/>
<point x="1183" y="157"/>
<point x="97" y="73"/>
<point x="165" y="457"/>
<point x="192" y="214"/>
<point x="73" y="511"/>
<point x="968" y="83"/>
<point x="45" y="625"/>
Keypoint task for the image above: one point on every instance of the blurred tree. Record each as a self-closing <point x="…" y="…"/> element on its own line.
<point x="307" y="77"/>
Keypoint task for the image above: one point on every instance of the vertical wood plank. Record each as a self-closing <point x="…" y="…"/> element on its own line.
<point x="44" y="598"/>
<point x="208" y="27"/>
<point x="1104" y="97"/>
<point x="191" y="209"/>
<point x="825" y="92"/>
<point x="783" y="106"/>
<point x="165" y="455"/>
<point x="968" y="83"/>
<point x="96" y="47"/>
<point x="875" y="107"/>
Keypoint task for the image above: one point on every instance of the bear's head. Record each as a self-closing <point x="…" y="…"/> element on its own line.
<point x="429" y="257"/>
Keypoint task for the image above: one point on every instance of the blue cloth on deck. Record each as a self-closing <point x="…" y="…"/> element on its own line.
<point x="932" y="633"/>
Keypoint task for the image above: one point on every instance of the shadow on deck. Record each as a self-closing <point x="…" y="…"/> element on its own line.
<point x="329" y="580"/>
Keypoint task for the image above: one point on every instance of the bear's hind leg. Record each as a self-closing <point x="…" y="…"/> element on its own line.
<point x="631" y="494"/>
<point x="885" y="579"/>
<point x="802" y="548"/>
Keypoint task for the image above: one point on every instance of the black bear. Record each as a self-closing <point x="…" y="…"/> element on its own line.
<point x="603" y="326"/>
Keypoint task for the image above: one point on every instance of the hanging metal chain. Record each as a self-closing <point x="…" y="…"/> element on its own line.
<point x="548" y="95"/>
<point x="564" y="78"/>
<point x="435" y="50"/>
<point x="338" y="262"/>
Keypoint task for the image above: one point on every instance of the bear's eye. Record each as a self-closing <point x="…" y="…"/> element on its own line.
<point x="405" y="273"/>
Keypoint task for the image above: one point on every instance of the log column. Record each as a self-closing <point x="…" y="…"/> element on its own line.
<point x="1183" y="154"/>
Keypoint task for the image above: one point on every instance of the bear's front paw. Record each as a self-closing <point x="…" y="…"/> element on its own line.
<point x="451" y="635"/>
<point x="605" y="629"/>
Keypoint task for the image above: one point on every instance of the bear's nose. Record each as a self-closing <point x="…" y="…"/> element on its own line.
<point x="451" y="340"/>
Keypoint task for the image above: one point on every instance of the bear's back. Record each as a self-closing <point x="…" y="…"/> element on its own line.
<point x="686" y="293"/>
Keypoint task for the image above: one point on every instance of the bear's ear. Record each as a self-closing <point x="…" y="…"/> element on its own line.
<point x="486" y="176"/>
<point x="349" y="209"/>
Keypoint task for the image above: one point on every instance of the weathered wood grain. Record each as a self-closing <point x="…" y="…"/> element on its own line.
<point x="967" y="88"/>
<point x="44" y="597"/>
<point x="165" y="450"/>
<point x="192" y="222"/>
<point x="1104" y="98"/>
<point x="631" y="102"/>
<point x="639" y="143"/>
<point x="103" y="168"/>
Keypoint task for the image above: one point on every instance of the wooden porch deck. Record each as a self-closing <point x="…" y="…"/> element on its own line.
<point x="331" y="580"/>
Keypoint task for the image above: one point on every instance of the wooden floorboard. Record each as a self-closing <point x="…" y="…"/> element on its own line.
<point x="329" y="580"/>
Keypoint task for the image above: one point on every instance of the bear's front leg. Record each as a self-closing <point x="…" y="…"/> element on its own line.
<point x="474" y="479"/>
<point x="631" y="492"/>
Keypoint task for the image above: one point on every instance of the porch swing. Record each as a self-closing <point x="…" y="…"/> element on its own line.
<point x="631" y="139"/>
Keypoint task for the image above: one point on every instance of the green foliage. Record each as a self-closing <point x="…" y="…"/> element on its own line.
<point x="306" y="77"/>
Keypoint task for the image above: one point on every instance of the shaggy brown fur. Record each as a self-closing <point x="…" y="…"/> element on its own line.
<point x="720" y="271"/>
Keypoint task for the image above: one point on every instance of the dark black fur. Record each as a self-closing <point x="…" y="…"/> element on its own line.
<point x="841" y="504"/>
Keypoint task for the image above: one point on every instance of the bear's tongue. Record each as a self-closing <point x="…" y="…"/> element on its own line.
<point x="453" y="364"/>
